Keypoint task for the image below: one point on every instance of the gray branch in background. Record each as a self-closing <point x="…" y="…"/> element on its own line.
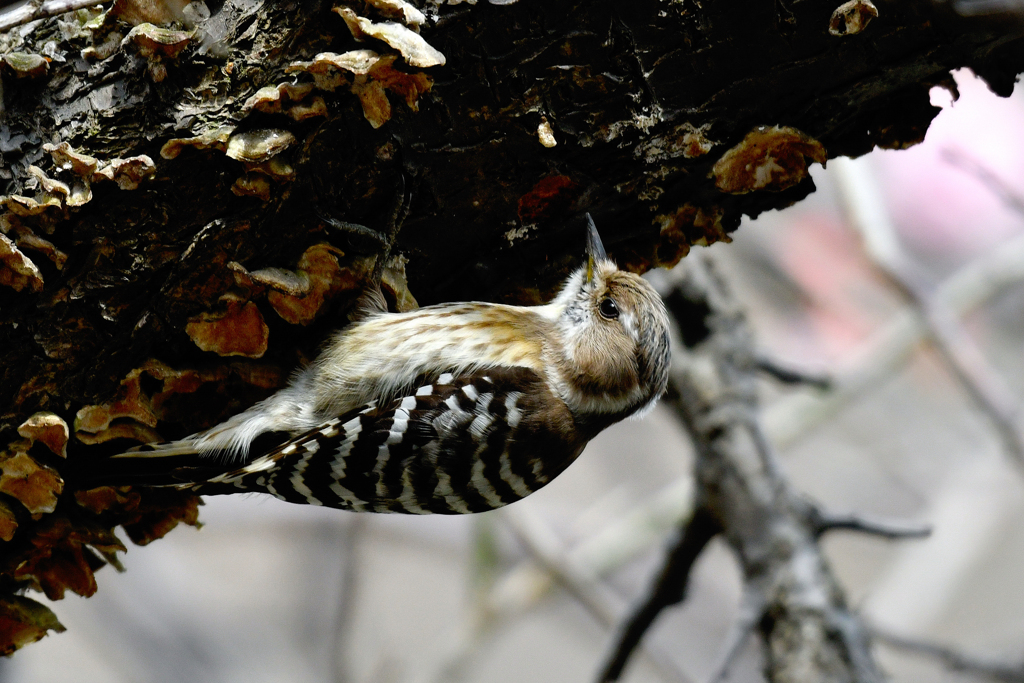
<point x="877" y="527"/>
<point x="668" y="589"/>
<point x="788" y="375"/>
<point x="791" y="599"/>
<point x="542" y="543"/>
<point x="869" y="216"/>
<point x="954" y="660"/>
<point x="807" y="630"/>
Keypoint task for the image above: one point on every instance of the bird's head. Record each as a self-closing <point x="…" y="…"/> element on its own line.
<point x="615" y="336"/>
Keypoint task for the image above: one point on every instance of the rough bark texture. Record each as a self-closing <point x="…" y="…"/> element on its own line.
<point x="127" y="292"/>
<point x="791" y="596"/>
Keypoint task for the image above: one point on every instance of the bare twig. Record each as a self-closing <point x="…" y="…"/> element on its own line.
<point x="999" y="187"/>
<point x="668" y="589"/>
<point x="792" y="376"/>
<point x="886" y="529"/>
<point x="541" y="541"/>
<point x="36" y="9"/>
<point x="868" y="214"/>
<point x="527" y="582"/>
<point x="955" y="660"/>
<point x="752" y="606"/>
<point x="891" y="347"/>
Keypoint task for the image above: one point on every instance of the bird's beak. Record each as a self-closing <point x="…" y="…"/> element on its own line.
<point x="595" y="249"/>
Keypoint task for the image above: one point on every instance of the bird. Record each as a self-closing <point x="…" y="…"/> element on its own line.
<point x="453" y="408"/>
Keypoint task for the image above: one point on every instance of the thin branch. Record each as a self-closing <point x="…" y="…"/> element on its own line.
<point x="825" y="522"/>
<point x="788" y="375"/>
<point x="400" y="210"/>
<point x="892" y="346"/>
<point x="752" y="607"/>
<point x="955" y="660"/>
<point x="869" y="216"/>
<point x="34" y="9"/>
<point x="999" y="187"/>
<point x="768" y="455"/>
<point x="854" y="630"/>
<point x="630" y="534"/>
<point x="668" y="589"/>
<point x="983" y="384"/>
<point x="352" y="228"/>
<point x="541" y="541"/>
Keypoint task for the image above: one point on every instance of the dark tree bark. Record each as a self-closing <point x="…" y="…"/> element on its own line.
<point x="134" y="269"/>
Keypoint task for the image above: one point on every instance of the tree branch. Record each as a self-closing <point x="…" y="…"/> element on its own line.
<point x="788" y="375"/>
<point x="596" y="597"/>
<point x="825" y="522"/>
<point x="953" y="659"/>
<point x="752" y="607"/>
<point x="790" y="595"/>
<point x="869" y="216"/>
<point x="668" y="589"/>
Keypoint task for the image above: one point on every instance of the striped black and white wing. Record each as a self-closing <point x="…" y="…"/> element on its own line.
<point x="455" y="445"/>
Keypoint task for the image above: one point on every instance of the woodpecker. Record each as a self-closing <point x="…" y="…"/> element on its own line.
<point x="450" y="409"/>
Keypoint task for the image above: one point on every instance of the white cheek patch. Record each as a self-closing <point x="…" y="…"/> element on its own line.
<point x="628" y="321"/>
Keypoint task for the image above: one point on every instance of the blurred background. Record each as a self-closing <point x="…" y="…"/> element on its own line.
<point x="268" y="591"/>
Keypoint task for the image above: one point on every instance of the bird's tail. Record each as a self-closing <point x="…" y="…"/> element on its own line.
<point x="176" y="464"/>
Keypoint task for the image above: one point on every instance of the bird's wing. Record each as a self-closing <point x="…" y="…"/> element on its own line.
<point x="457" y="445"/>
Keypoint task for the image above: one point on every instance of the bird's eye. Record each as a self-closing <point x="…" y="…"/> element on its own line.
<point x="608" y="309"/>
